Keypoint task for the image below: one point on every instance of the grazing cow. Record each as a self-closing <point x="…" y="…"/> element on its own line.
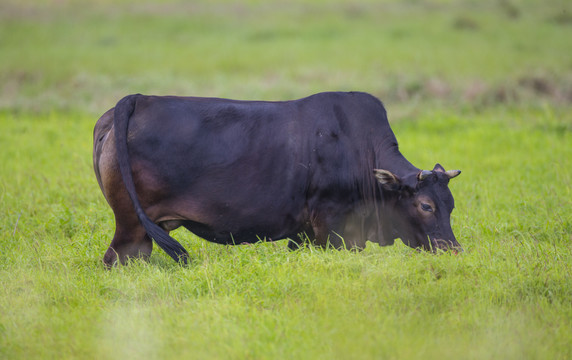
<point x="325" y="168"/>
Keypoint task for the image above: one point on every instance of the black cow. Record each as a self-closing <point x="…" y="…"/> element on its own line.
<point x="325" y="168"/>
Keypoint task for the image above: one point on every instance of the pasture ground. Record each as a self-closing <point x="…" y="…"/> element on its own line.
<point x="479" y="86"/>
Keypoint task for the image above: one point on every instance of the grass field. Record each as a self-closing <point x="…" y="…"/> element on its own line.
<point x="480" y="86"/>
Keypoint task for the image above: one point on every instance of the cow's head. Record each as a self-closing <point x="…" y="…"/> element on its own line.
<point x="419" y="207"/>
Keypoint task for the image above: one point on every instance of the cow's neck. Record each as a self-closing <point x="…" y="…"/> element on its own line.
<point x="392" y="160"/>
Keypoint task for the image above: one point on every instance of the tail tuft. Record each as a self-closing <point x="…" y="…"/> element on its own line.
<point x="171" y="246"/>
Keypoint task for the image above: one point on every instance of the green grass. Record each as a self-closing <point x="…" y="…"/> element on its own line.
<point x="469" y="85"/>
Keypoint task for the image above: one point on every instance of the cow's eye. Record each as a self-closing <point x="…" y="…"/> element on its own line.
<point x="426" y="207"/>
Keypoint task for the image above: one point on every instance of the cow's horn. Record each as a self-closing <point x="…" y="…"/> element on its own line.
<point x="452" y="173"/>
<point x="423" y="175"/>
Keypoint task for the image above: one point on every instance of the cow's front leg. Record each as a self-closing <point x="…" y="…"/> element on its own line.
<point x="328" y="231"/>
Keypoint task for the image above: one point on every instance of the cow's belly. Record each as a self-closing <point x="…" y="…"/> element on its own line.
<point x="241" y="236"/>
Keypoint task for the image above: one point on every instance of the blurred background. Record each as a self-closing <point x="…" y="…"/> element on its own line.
<point x="86" y="55"/>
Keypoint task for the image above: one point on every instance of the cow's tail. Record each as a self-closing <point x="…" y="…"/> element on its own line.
<point x="123" y="111"/>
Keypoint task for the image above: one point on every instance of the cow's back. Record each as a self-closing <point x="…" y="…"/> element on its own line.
<point x="264" y="143"/>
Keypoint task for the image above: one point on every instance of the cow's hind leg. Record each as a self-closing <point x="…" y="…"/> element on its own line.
<point x="130" y="241"/>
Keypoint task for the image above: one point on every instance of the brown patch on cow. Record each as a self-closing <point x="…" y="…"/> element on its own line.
<point x="130" y="239"/>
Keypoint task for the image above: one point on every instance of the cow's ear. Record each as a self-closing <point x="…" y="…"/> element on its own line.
<point x="386" y="178"/>
<point x="439" y="168"/>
